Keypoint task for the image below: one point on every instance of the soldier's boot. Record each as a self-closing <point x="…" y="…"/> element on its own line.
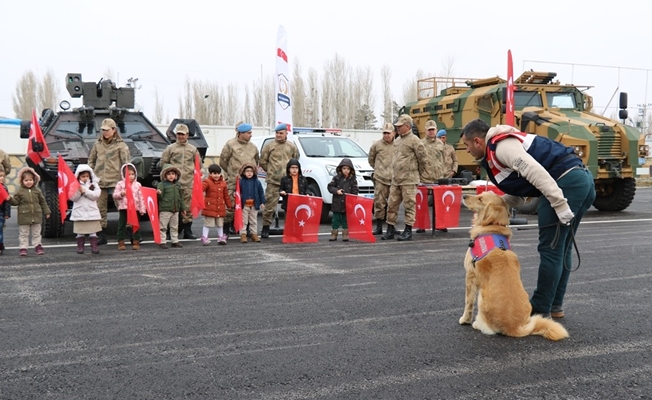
<point x="94" y="248"/>
<point x="379" y="227"/>
<point x="333" y="235"/>
<point x="136" y="245"/>
<point x="102" y="237"/>
<point x="187" y="231"/>
<point x="265" y="232"/>
<point x="389" y="235"/>
<point x="407" y="233"/>
<point x="121" y="245"/>
<point x="80" y="244"/>
<point x="345" y="235"/>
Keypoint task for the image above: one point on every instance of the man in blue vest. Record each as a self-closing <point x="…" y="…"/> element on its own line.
<point x="525" y="165"/>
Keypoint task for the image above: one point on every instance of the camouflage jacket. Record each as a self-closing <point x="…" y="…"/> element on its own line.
<point x="450" y="161"/>
<point x="275" y="157"/>
<point x="6" y="163"/>
<point x="235" y="153"/>
<point x="381" y="156"/>
<point x="181" y="156"/>
<point x="410" y="161"/>
<point x="435" y="149"/>
<point x="106" y="159"/>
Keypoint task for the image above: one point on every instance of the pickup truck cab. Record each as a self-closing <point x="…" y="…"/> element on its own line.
<point x="319" y="154"/>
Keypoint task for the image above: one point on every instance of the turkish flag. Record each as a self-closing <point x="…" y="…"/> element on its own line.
<point x="237" y="215"/>
<point x="302" y="219"/>
<point x="359" y="214"/>
<point x="509" y="101"/>
<point x="197" y="198"/>
<point x="488" y="188"/>
<point x="36" y="136"/>
<point x="132" y="213"/>
<point x="151" y="202"/>
<point x="3" y="194"/>
<point x="448" y="201"/>
<point x="422" y="219"/>
<point x="67" y="185"/>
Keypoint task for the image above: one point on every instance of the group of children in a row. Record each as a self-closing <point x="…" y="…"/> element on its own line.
<point x="86" y="215"/>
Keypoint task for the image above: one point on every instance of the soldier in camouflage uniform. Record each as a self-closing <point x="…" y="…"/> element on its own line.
<point x="106" y="159"/>
<point x="381" y="156"/>
<point x="410" y="163"/>
<point x="450" y="158"/>
<point x="235" y="153"/>
<point x="6" y="163"/>
<point x="273" y="161"/>
<point x="435" y="150"/>
<point x="181" y="155"/>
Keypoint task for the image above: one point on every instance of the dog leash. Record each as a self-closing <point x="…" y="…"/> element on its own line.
<point x="555" y="242"/>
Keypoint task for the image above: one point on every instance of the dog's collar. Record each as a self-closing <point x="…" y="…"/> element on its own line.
<point x="483" y="244"/>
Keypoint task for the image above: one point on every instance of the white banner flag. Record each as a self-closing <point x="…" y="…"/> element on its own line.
<point x="283" y="98"/>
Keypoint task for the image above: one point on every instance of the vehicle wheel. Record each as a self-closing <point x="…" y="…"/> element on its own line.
<point x="326" y="208"/>
<point x="53" y="227"/>
<point x="530" y="206"/>
<point x="615" y="196"/>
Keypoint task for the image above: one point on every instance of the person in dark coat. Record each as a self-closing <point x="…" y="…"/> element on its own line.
<point x="342" y="183"/>
<point x="252" y="199"/>
<point x="293" y="182"/>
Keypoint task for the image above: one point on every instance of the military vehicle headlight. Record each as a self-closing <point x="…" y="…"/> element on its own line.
<point x="643" y="150"/>
<point x="579" y="151"/>
<point x="331" y="169"/>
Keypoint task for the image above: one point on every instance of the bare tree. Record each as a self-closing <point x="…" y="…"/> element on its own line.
<point x="334" y="95"/>
<point x="298" y="90"/>
<point x="247" y="105"/>
<point x="110" y="74"/>
<point x="385" y="78"/>
<point x="312" y="102"/>
<point x="158" y="107"/>
<point x="270" y="93"/>
<point x="258" y="111"/>
<point x="24" y="99"/>
<point x="232" y="111"/>
<point x="48" y="91"/>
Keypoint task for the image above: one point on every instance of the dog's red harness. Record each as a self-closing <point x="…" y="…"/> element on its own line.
<point x="483" y="244"/>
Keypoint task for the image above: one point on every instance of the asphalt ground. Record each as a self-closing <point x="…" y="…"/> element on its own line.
<point x="318" y="321"/>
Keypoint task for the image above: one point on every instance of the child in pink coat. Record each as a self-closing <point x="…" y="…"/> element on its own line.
<point x="119" y="194"/>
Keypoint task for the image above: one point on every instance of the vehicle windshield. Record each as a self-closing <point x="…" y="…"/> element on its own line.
<point x="83" y="129"/>
<point x="331" y="146"/>
<point x="561" y="100"/>
<point x="527" y="99"/>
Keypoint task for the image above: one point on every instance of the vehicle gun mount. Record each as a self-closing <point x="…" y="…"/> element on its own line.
<point x="101" y="95"/>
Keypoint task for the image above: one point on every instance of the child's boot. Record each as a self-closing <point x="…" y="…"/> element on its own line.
<point x="255" y="238"/>
<point x="243" y="238"/>
<point x="121" y="245"/>
<point x="94" y="245"/>
<point x="345" y="235"/>
<point x="80" y="244"/>
<point x="333" y="235"/>
<point x="39" y="250"/>
<point x="136" y="245"/>
<point x="23" y="252"/>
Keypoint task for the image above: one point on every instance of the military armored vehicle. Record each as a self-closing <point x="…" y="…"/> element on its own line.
<point x="542" y="106"/>
<point x="72" y="133"/>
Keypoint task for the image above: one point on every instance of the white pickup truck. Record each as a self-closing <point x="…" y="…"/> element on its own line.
<point x="319" y="155"/>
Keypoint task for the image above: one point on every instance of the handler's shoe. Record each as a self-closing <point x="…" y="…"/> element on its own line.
<point x="557" y="312"/>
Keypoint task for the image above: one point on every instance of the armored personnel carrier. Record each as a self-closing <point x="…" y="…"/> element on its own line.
<point x="542" y="106"/>
<point x="72" y="133"/>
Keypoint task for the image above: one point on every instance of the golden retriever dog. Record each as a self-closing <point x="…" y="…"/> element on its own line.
<point x="493" y="276"/>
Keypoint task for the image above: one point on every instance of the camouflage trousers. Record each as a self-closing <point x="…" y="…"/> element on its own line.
<point x="271" y="201"/>
<point x="407" y="194"/>
<point x="103" y="204"/>
<point x="187" y="198"/>
<point x="381" y="194"/>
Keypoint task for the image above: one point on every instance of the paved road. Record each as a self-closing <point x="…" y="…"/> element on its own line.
<point x="320" y="321"/>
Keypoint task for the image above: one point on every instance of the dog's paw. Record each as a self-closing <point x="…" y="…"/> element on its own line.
<point x="465" y="320"/>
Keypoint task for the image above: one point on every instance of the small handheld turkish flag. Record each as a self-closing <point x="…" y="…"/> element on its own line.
<point x="67" y="185"/>
<point x="302" y="219"/>
<point x="37" y="149"/>
<point x="197" y="199"/>
<point x="3" y="194"/>
<point x="132" y="213"/>
<point x="448" y="201"/>
<point x="422" y="218"/>
<point x="359" y="213"/>
<point x="237" y="215"/>
<point x="151" y="203"/>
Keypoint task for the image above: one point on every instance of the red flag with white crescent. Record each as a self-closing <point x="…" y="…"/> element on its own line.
<point x="359" y="217"/>
<point x="302" y="219"/>
<point x="422" y="217"/>
<point x="67" y="185"/>
<point x="36" y="136"/>
<point x="509" y="114"/>
<point x="3" y="194"/>
<point x="197" y="197"/>
<point x="132" y="213"/>
<point x="448" y="202"/>
<point x="151" y="203"/>
<point x="237" y="214"/>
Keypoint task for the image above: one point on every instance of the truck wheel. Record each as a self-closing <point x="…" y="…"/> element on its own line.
<point x="616" y="196"/>
<point x="53" y="227"/>
<point x="530" y="206"/>
<point x="326" y="208"/>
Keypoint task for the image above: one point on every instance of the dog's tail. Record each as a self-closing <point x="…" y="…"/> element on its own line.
<point x="549" y="329"/>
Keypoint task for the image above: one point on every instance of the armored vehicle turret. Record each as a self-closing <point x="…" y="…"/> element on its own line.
<point x="542" y="106"/>
<point x="72" y="133"/>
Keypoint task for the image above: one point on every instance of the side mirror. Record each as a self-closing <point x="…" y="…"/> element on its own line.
<point x="623" y="100"/>
<point x="24" y="129"/>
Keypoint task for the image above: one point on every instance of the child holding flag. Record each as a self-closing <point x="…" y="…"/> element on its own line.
<point x="342" y="183"/>
<point x="170" y="200"/>
<point x="31" y="207"/>
<point x="128" y="171"/>
<point x="85" y="212"/>
<point x="5" y="208"/>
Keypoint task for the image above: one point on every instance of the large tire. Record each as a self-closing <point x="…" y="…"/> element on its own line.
<point x="326" y="208"/>
<point x="616" y="196"/>
<point x="530" y="207"/>
<point x="52" y="227"/>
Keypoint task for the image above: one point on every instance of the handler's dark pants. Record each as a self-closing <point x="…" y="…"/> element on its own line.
<point x="556" y="263"/>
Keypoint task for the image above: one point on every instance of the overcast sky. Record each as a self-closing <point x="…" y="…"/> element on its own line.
<point x="163" y="42"/>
